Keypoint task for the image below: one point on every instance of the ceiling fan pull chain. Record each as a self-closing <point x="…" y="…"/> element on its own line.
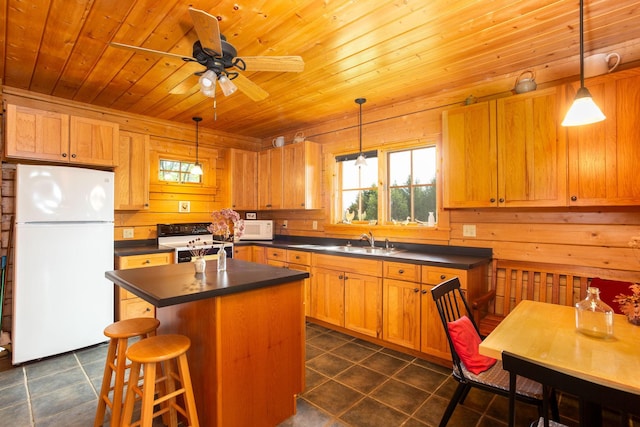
<point x="215" y="106"/>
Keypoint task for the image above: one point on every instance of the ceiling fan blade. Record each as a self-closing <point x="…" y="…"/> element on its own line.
<point x="206" y="26"/>
<point x="151" y="51"/>
<point x="249" y="88"/>
<point x="274" y="63"/>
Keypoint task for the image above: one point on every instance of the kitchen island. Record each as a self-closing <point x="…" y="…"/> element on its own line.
<point x="246" y="326"/>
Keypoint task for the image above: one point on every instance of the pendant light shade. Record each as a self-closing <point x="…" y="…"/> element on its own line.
<point x="360" y="161"/>
<point x="196" y="169"/>
<point x="584" y="110"/>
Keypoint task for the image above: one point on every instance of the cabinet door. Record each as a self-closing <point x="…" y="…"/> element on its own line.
<point x="401" y="313"/>
<point x="36" y="134"/>
<point x="270" y="179"/>
<point x="532" y="162"/>
<point x="93" y="142"/>
<point x="294" y="176"/>
<point x="603" y="157"/>
<point x="363" y="304"/>
<point x="243" y="172"/>
<point x="127" y="304"/>
<point x="244" y="253"/>
<point x="327" y="296"/>
<point x="132" y="172"/>
<point x="433" y="339"/>
<point x="469" y="156"/>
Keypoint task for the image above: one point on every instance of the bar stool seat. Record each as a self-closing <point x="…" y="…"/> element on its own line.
<point x="116" y="363"/>
<point x="148" y="354"/>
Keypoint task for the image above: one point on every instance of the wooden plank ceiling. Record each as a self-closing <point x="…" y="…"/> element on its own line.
<point x="388" y="51"/>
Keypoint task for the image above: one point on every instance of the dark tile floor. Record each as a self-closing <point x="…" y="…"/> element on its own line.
<point x="350" y="382"/>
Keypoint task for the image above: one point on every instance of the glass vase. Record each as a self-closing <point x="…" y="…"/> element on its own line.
<point x="200" y="264"/>
<point x="222" y="259"/>
<point x="593" y="317"/>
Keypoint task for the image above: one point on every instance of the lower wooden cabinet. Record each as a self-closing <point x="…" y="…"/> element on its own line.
<point x="244" y="253"/>
<point x="347" y="293"/>
<point x="127" y="304"/>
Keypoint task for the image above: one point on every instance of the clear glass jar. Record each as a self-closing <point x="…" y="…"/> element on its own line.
<point x="594" y="317"/>
<point x="222" y="259"/>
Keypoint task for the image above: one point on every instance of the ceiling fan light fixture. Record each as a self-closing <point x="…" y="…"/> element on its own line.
<point x="584" y="110"/>
<point x="227" y="86"/>
<point x="208" y="80"/>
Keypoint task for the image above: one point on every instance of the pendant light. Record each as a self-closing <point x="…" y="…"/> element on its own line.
<point x="584" y="110"/>
<point x="360" y="161"/>
<point x="196" y="169"/>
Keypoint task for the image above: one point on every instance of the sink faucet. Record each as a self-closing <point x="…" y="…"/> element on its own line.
<point x="369" y="238"/>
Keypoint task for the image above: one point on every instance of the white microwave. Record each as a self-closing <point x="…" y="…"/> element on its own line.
<point x="258" y="229"/>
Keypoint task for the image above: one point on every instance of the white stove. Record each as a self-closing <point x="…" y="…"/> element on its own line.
<point x="178" y="236"/>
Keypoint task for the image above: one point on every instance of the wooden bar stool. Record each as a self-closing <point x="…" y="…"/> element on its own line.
<point x="119" y="334"/>
<point x="149" y="353"/>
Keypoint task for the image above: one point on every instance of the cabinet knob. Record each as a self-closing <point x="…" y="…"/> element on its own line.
<point x="401" y="271"/>
<point x="73" y="156"/>
<point x="492" y="200"/>
<point x="501" y="200"/>
<point x="302" y="205"/>
<point x="64" y="154"/>
<point x="416" y="290"/>
<point x="346" y="277"/>
<point x="147" y="261"/>
<point x="297" y="256"/>
<point x="424" y="291"/>
<point x="148" y="309"/>
<point x="442" y="277"/>
<point x="574" y="198"/>
<point x="341" y="277"/>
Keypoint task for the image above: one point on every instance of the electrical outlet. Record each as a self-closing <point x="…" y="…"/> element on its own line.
<point x="127" y="233"/>
<point x="184" y="207"/>
<point x="314" y="225"/>
<point x="285" y="223"/>
<point x="469" y="230"/>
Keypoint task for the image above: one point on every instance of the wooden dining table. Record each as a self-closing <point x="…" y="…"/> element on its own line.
<point x="546" y="334"/>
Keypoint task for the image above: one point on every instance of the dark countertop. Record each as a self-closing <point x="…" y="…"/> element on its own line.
<point x="464" y="258"/>
<point x="165" y="285"/>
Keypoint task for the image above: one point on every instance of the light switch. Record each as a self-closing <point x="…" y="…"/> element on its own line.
<point x="127" y="233"/>
<point x="184" y="206"/>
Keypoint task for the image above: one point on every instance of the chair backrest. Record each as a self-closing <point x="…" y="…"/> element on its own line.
<point x="616" y="399"/>
<point x="452" y="305"/>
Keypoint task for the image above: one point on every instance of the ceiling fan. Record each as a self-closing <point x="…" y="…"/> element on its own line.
<point x="222" y="65"/>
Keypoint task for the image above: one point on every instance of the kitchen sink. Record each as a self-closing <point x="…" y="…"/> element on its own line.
<point x="365" y="250"/>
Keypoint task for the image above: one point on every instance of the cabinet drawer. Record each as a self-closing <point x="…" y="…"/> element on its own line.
<point x="299" y="257"/>
<point x="369" y="267"/>
<point x="136" y="307"/>
<point x="277" y="254"/>
<point x="402" y="271"/>
<point x="435" y="275"/>
<point x="145" y="260"/>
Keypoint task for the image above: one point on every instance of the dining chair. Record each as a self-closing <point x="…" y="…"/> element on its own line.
<point x="453" y="307"/>
<point x="590" y="411"/>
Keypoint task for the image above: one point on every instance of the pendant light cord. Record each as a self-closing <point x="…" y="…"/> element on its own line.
<point x="581" y="43"/>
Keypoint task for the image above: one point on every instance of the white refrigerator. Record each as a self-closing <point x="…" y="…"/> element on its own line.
<point x="63" y="246"/>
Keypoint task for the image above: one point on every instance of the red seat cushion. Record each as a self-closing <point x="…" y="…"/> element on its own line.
<point x="466" y="340"/>
<point x="609" y="289"/>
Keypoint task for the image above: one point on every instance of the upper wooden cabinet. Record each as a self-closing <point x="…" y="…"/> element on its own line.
<point x="603" y="157"/>
<point x="302" y="176"/>
<point x="270" y="182"/>
<point x="470" y="159"/>
<point x="509" y="152"/>
<point x="290" y="177"/>
<point x="132" y="172"/>
<point x="242" y="179"/>
<point x="49" y="136"/>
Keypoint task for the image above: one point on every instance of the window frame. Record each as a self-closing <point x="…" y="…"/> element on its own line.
<point x="182" y="162"/>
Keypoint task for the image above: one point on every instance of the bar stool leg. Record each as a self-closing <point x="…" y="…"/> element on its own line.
<point x="189" y="400"/>
<point x="129" y="401"/>
<point x="106" y="383"/>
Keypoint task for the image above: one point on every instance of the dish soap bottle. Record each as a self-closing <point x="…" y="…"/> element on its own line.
<point x="594" y="317"/>
<point x="431" y="220"/>
<point x="222" y="259"/>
